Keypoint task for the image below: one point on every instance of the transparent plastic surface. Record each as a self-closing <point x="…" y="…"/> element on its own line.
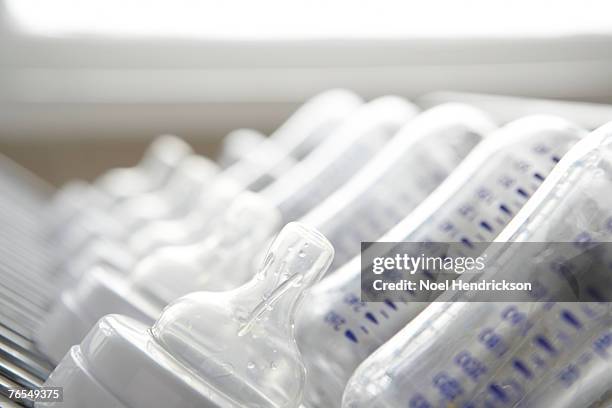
<point x="141" y="288"/>
<point x="252" y="326"/>
<point x="71" y="199"/>
<point x="160" y="160"/>
<point x="222" y="261"/>
<point x="184" y="236"/>
<point x="526" y="354"/>
<point x="218" y="349"/>
<point x="298" y="136"/>
<point x="31" y="283"/>
<point x="211" y="245"/>
<point x="409" y="167"/>
<point x="215" y="258"/>
<point x="122" y="255"/>
<point x="97" y="252"/>
<point x="339" y="157"/>
<point x="472" y="205"/>
<point x="238" y="144"/>
<point x="194" y="226"/>
<point x="129" y="221"/>
<point x="180" y="192"/>
<point x="272" y="158"/>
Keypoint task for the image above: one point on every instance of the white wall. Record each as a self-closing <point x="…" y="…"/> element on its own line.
<point x="75" y="83"/>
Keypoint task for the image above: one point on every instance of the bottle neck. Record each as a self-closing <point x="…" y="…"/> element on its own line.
<point x="277" y="290"/>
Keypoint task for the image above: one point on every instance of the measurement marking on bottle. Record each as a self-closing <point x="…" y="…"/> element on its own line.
<point x="522" y="192"/>
<point x="351" y="336"/>
<point x="371" y="317"/>
<point x="390" y="304"/>
<point x="505" y="209"/>
<point x="569" y="318"/>
<point x="486" y="226"/>
<point x="522" y="368"/>
<point x="545" y="344"/>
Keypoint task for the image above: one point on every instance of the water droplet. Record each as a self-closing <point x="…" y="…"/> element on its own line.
<point x="250" y="365"/>
<point x="273" y="365"/>
<point x="302" y="254"/>
<point x="306" y="244"/>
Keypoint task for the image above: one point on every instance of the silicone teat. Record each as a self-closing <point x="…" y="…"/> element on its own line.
<point x="189" y="177"/>
<point x="70" y="199"/>
<point x="165" y="152"/>
<point x="213" y="200"/>
<point x="98" y="251"/>
<point x="238" y="144"/>
<point x="240" y="342"/>
<point x="223" y="261"/>
<point x="161" y="158"/>
<point x="193" y="171"/>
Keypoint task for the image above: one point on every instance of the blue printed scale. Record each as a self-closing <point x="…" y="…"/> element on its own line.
<point x="477" y="216"/>
<point x="517" y="350"/>
<point x="522" y="354"/>
<point x="403" y="173"/>
<point x="471" y="206"/>
<point x="338" y="158"/>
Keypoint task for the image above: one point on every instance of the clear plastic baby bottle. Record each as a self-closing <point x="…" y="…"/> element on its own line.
<point x="409" y="167"/>
<point x="337" y="331"/>
<point x="189" y="178"/>
<point x="544" y="351"/>
<point x="221" y="261"/>
<point x="306" y="129"/>
<point x="103" y="289"/>
<point x="122" y="254"/>
<point x="339" y="157"/>
<point x="208" y="349"/>
<point x="159" y="161"/>
<point x="238" y="144"/>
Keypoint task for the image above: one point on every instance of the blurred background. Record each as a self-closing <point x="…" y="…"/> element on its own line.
<point x="85" y="85"/>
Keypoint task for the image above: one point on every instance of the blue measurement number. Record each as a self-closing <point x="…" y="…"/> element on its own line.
<point x="569" y="375"/>
<point x="470" y="365"/>
<point x="493" y="341"/>
<point x="418" y="401"/>
<point x="603" y="343"/>
<point x="448" y="386"/>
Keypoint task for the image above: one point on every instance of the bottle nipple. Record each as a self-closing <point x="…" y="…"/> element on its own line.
<point x="241" y="342"/>
<point x="165" y="152"/>
<point x="222" y="261"/>
<point x="162" y="157"/>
